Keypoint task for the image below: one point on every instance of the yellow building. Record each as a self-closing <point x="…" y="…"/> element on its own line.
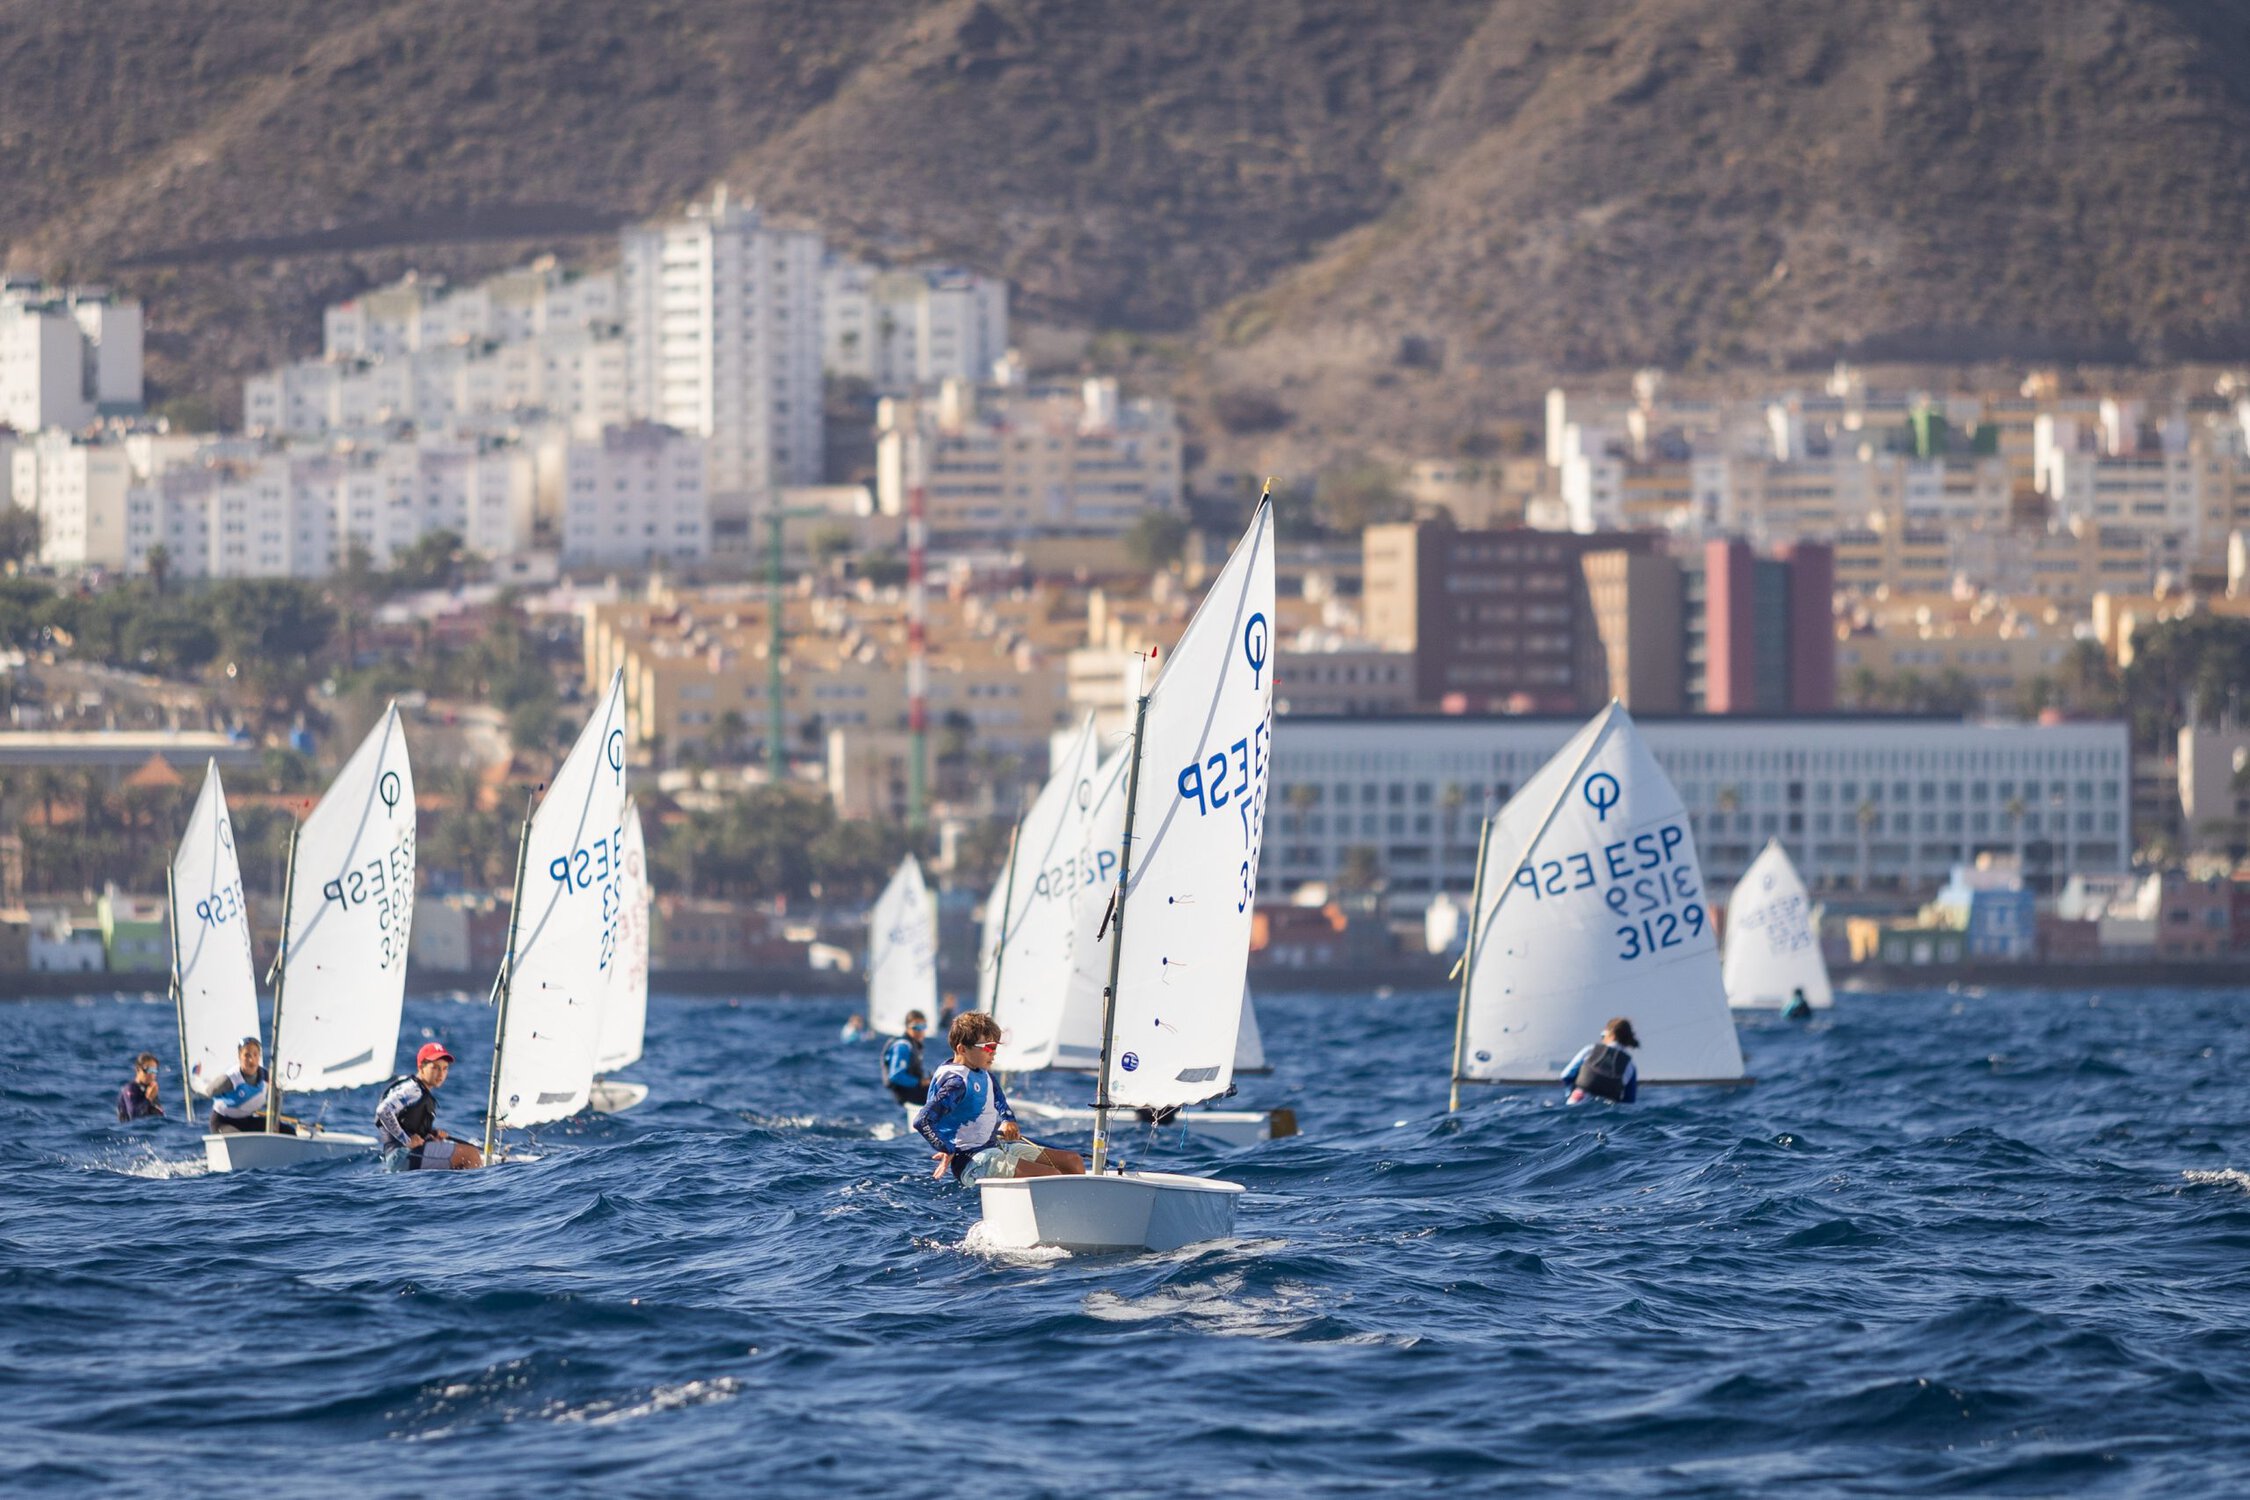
<point x="1885" y="554"/>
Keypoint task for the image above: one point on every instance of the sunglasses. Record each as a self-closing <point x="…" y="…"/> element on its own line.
<point x="983" y="1046"/>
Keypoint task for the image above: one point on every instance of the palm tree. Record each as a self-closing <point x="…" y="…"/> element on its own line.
<point x="2014" y="812"/>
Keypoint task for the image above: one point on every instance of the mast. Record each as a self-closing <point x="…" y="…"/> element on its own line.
<point x="1117" y="939"/>
<point x="505" y="984"/>
<point x="179" y="1000"/>
<point x="1007" y="904"/>
<point x="280" y="983"/>
<point x="1468" y="957"/>
<point x="1530" y="846"/>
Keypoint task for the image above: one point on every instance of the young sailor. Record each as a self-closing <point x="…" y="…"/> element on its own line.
<point x="406" y="1119"/>
<point x="137" y="1099"/>
<point x="903" y="1073"/>
<point x="1603" y="1069"/>
<point x="238" y="1105"/>
<point x="968" y="1119"/>
<point x="1798" y="1007"/>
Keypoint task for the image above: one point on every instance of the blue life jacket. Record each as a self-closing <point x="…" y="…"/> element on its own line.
<point x="902" y="1062"/>
<point x="965" y="1122"/>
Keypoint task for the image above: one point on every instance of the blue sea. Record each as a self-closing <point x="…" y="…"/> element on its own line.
<point x="1952" y="1242"/>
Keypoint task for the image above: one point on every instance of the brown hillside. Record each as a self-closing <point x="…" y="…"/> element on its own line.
<point x="1380" y="219"/>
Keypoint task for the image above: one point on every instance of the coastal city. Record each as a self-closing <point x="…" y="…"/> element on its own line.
<point x="1974" y="657"/>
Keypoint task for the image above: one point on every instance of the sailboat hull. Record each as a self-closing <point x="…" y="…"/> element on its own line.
<point x="247" y="1151"/>
<point x="1115" y="1213"/>
<point x="611" y="1097"/>
<point x="1234" y="1128"/>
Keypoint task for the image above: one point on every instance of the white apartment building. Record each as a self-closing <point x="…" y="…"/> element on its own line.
<point x="1858" y="801"/>
<point x="1001" y="460"/>
<point x="415" y="313"/>
<point x="634" y="495"/>
<point x="77" y="488"/>
<point x="904" y="329"/>
<point x="573" y="375"/>
<point x="67" y="355"/>
<point x="722" y="319"/>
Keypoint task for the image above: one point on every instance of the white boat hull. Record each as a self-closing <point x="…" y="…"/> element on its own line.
<point x="611" y="1097"/>
<point x="1225" y="1127"/>
<point x="245" y="1151"/>
<point x="1115" y="1213"/>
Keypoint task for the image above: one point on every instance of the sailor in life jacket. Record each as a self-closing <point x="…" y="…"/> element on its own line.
<point x="968" y="1120"/>
<point x="1604" y="1069"/>
<point x="406" y="1119"/>
<point x="238" y="1104"/>
<point x="902" y="1063"/>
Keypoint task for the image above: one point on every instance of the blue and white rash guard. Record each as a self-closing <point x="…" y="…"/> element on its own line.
<point x="902" y="1062"/>
<point x="965" y="1110"/>
<point x="238" y="1098"/>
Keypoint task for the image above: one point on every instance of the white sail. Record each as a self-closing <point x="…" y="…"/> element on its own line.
<point x="1205" y="748"/>
<point x="1593" y="907"/>
<point x="902" y="952"/>
<point x="1034" y="971"/>
<point x="351" y="909"/>
<point x="1249" y="1043"/>
<point x="566" y="933"/>
<point x="1078" y="1026"/>
<point x="211" y="924"/>
<point x="1773" y="944"/>
<point x="625" y="1006"/>
<point x="989" y="930"/>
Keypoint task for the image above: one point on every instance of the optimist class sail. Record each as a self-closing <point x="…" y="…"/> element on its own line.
<point x="1772" y="950"/>
<point x="565" y="928"/>
<point x="1593" y="907"/>
<point x="1205" y="746"/>
<point x="351" y="911"/>
<point x="1035" y="957"/>
<point x="218" y="991"/>
<point x="902" y="952"/>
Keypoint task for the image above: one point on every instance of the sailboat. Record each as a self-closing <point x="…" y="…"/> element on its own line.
<point x="1048" y="967"/>
<point x="563" y="933"/>
<point x="625" y="1005"/>
<point x="340" y="977"/>
<point x="1179" y="923"/>
<point x="1589" y="903"/>
<point x="902" y="952"/>
<point x="214" y="987"/>
<point x="1773" y="945"/>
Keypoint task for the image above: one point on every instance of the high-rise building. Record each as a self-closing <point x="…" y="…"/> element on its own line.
<point x="723" y="340"/>
<point x="1763" y="636"/>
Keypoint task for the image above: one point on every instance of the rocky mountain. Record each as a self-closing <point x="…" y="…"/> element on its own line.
<point x="1333" y="226"/>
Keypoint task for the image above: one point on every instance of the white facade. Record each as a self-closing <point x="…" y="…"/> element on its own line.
<point x="1005" y="460"/>
<point x="899" y="330"/>
<point x="723" y="339"/>
<point x="66" y="356"/>
<point x="634" y="495"/>
<point x="78" y="490"/>
<point x="1888" y="801"/>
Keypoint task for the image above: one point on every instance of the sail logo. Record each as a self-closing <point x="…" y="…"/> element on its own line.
<point x="1602" y="793"/>
<point x="389" y="790"/>
<point x="1257" y="639"/>
<point x="1130" y="1062"/>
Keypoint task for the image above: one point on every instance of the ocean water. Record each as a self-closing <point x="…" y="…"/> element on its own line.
<point x="1951" y="1243"/>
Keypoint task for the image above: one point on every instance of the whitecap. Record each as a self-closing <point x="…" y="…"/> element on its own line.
<point x="1215" y="1306"/>
<point x="661" y="1398"/>
<point x="154" y="1167"/>
<point x="2231" y="1175"/>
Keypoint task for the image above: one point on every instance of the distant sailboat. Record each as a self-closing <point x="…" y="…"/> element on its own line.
<point x="1180" y="925"/>
<point x="214" y="986"/>
<point x="1773" y="944"/>
<point x="340" y="982"/>
<point x="1590" y="904"/>
<point x="902" y="952"/>
<point x="563" y="933"/>
<point x="625" y="1004"/>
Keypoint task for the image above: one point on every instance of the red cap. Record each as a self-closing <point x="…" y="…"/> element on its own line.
<point x="430" y="1053"/>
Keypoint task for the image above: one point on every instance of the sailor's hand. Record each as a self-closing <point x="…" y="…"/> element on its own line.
<point x="943" y="1161"/>
<point x="1008" y="1131"/>
<point x="413" y="1142"/>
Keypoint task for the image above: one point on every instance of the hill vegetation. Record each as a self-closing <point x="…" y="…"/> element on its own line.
<point x="1334" y="228"/>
